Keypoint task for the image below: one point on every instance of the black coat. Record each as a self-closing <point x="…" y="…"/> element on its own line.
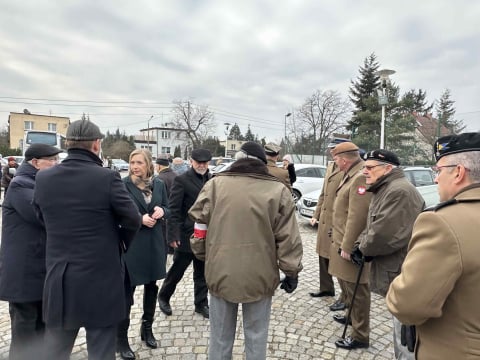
<point x="146" y="256"/>
<point x="88" y="213"/>
<point x="167" y="176"/>
<point x="184" y="192"/>
<point x="22" y="254"/>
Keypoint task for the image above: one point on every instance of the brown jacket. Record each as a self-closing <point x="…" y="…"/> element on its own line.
<point x="350" y="211"/>
<point x="280" y="173"/>
<point x="324" y="210"/>
<point x="439" y="286"/>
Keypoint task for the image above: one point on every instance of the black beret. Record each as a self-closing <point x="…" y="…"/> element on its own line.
<point x="37" y="151"/>
<point x="383" y="156"/>
<point x="272" y="149"/>
<point x="163" y="162"/>
<point x="83" y="130"/>
<point x="251" y="148"/>
<point x="201" y="155"/>
<point x="453" y="144"/>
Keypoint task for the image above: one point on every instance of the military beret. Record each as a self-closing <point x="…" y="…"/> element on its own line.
<point x="383" y="156"/>
<point x="272" y="149"/>
<point x="344" y="148"/>
<point x="201" y="155"/>
<point x="38" y="151"/>
<point x="453" y="144"/>
<point x="83" y="130"/>
<point x="252" y="149"/>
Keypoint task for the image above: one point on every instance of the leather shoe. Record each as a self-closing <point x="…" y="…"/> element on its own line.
<point x="126" y="353"/>
<point x="337" y="306"/>
<point x="164" y="306"/>
<point x="349" y="343"/>
<point x="341" y="319"/>
<point x="322" y="293"/>
<point x="203" y="310"/>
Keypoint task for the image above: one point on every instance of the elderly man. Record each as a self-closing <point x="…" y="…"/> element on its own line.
<point x="349" y="219"/>
<point x="22" y="255"/>
<point x="244" y="251"/>
<point x="394" y="206"/>
<point x="439" y="286"/>
<point x="272" y="152"/>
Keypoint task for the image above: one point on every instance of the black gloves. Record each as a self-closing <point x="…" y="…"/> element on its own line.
<point x="408" y="336"/>
<point x="358" y="258"/>
<point x="289" y="284"/>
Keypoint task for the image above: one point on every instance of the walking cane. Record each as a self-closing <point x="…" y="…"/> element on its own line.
<point x="349" y="313"/>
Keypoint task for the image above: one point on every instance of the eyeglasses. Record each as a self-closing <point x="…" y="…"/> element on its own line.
<point x="54" y="159"/>
<point x="370" y="167"/>
<point x="437" y="169"/>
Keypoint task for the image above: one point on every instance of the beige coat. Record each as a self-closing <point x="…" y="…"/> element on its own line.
<point x="324" y="210"/>
<point x="252" y="233"/>
<point x="280" y="173"/>
<point x="439" y="286"/>
<point x="350" y="211"/>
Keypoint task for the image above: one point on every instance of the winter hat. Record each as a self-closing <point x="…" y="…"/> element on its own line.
<point x="254" y="150"/>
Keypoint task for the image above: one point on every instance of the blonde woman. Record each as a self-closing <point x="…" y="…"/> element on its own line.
<point x="145" y="259"/>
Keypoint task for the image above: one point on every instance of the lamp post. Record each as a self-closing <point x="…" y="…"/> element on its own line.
<point x="148" y="133"/>
<point x="383" y="100"/>
<point x="285" y="132"/>
<point x="226" y="138"/>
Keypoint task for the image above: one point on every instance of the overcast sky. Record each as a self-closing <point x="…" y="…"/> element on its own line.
<point x="250" y="61"/>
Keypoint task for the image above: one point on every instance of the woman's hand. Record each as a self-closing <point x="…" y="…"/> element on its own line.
<point x="148" y="221"/>
<point x="157" y="213"/>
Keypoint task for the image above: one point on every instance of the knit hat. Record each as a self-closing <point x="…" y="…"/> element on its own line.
<point x="254" y="150"/>
<point x="83" y="130"/>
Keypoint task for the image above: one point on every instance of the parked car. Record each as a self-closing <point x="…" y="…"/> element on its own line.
<point x="422" y="178"/>
<point x="223" y="160"/>
<point x="309" y="178"/>
<point x="119" y="165"/>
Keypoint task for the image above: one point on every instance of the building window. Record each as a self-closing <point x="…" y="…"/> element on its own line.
<point x="28" y="125"/>
<point x="149" y="148"/>
<point x="52" y="127"/>
<point x="165" y="134"/>
<point x="166" y="150"/>
<point x="232" y="146"/>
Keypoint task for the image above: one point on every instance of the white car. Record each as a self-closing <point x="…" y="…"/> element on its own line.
<point x="309" y="178"/>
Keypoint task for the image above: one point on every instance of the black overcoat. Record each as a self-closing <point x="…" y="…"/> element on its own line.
<point x="183" y="194"/>
<point x="88" y="215"/>
<point x="22" y="254"/>
<point x="146" y="256"/>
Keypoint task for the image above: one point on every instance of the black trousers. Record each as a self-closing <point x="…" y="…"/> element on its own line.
<point x="100" y="343"/>
<point x="27" y="330"/>
<point x="181" y="261"/>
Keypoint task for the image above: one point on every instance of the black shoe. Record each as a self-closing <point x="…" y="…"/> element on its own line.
<point x="203" y="310"/>
<point x="164" y="305"/>
<point x="337" y="306"/>
<point x="322" y="293"/>
<point x="350" y="343"/>
<point x="126" y="353"/>
<point x="146" y="334"/>
<point x="341" y="319"/>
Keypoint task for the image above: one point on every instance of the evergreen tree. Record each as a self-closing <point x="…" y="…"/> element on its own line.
<point x="235" y="133"/>
<point x="366" y="84"/>
<point x="249" y="135"/>
<point x="446" y="113"/>
<point x="213" y="144"/>
<point x="177" y="152"/>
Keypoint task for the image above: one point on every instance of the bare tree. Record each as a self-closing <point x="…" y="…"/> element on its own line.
<point x="322" y="114"/>
<point x="195" y="120"/>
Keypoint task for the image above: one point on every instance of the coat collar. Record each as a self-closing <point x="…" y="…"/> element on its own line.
<point x="84" y="155"/>
<point x="137" y="194"/>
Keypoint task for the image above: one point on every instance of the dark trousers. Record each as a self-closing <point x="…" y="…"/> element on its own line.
<point x="150" y="291"/>
<point x="360" y="311"/>
<point x="326" y="280"/>
<point x="100" y="343"/>
<point x="181" y="261"/>
<point x="27" y="330"/>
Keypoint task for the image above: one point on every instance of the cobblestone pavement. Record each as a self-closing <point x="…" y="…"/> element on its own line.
<point x="301" y="327"/>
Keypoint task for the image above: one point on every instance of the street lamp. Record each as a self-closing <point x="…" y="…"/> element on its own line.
<point x="226" y="138"/>
<point x="148" y="133"/>
<point x="383" y="100"/>
<point x="285" y="132"/>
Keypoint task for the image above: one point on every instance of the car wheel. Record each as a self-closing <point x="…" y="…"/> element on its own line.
<point x="296" y="195"/>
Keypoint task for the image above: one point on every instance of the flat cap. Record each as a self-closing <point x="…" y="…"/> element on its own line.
<point x="201" y="155"/>
<point x="83" y="130"/>
<point x="254" y="150"/>
<point x="453" y="144"/>
<point x="38" y="151"/>
<point x="162" y="161"/>
<point x="272" y="149"/>
<point x="344" y="148"/>
<point x="383" y="156"/>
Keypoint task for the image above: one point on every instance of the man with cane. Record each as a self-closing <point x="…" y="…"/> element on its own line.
<point x="349" y="219"/>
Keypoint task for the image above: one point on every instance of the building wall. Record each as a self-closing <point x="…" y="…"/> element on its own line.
<point x="17" y="125"/>
<point x="162" y="140"/>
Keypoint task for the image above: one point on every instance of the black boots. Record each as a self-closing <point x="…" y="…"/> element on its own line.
<point x="147" y="335"/>
<point x="123" y="347"/>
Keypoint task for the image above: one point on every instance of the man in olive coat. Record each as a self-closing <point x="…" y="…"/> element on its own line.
<point x="89" y="217"/>
<point x="272" y="152"/>
<point x="350" y="211"/>
<point x="439" y="286"/>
